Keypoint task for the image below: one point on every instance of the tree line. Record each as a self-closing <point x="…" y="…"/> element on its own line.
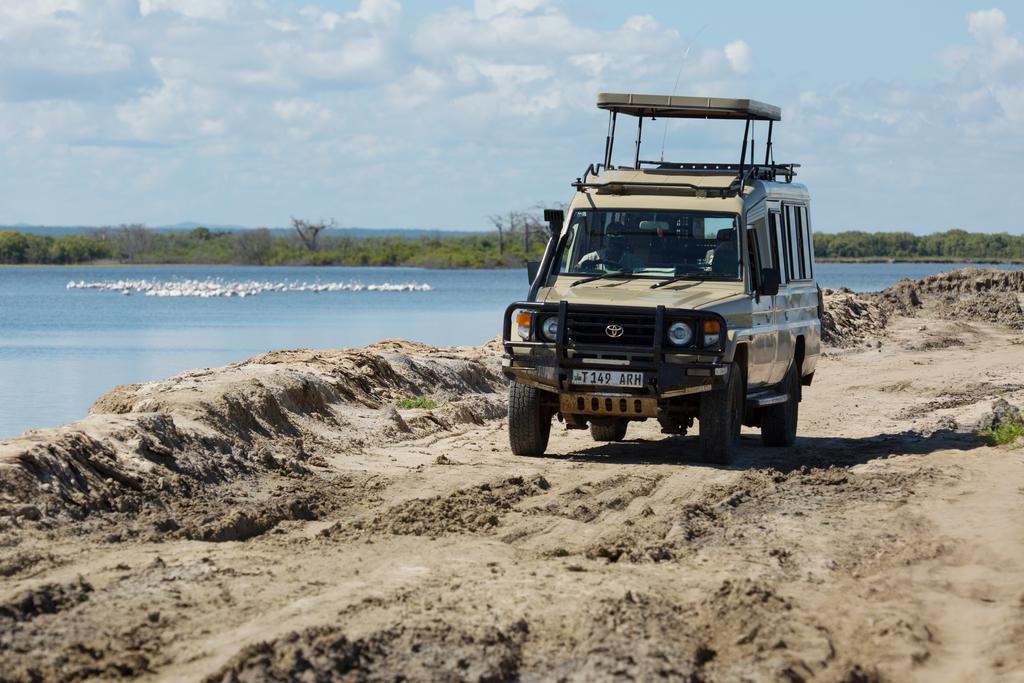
<point x="517" y="236"/>
<point x="951" y="245"/>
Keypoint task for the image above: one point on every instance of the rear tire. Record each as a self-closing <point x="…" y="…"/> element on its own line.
<point x="720" y="419"/>
<point x="529" y="422"/>
<point x="778" y="422"/>
<point x="609" y="431"/>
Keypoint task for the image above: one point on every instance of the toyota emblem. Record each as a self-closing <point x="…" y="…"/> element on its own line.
<point x="614" y="331"/>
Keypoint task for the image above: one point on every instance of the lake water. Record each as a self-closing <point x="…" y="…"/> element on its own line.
<point x="61" y="349"/>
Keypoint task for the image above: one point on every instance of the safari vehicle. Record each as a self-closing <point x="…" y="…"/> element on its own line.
<point x="670" y="290"/>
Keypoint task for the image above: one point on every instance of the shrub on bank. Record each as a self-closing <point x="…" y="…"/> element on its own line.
<point x="421" y="402"/>
<point x="1003" y="425"/>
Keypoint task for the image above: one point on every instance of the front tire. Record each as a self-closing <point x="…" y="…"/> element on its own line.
<point x="720" y="419"/>
<point x="609" y="431"/>
<point x="778" y="422"/>
<point x="529" y="422"/>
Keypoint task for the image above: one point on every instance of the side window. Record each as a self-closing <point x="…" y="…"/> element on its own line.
<point x="808" y="243"/>
<point x="792" y="270"/>
<point x="776" y="244"/>
<point x="753" y="254"/>
<point x="797" y="228"/>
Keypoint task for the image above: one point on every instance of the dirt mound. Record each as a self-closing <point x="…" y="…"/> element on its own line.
<point x="717" y="511"/>
<point x="967" y="294"/>
<point x="279" y="415"/>
<point x="750" y="626"/>
<point x="116" y="651"/>
<point x="850" y="318"/>
<point x="637" y="637"/>
<point x="467" y="510"/>
<point x="593" y="499"/>
<point x="47" y="599"/>
<point x="84" y="655"/>
<point x="970" y="294"/>
<point x="433" y="651"/>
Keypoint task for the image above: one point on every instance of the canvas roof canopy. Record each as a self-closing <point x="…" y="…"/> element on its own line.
<point x="683" y="107"/>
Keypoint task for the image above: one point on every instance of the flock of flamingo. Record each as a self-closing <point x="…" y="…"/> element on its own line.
<point x="216" y="287"/>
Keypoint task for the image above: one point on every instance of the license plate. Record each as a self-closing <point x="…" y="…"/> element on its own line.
<point x="608" y="378"/>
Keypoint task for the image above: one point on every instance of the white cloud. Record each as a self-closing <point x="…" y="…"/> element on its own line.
<point x="989" y="29"/>
<point x="641" y="24"/>
<point x="377" y="11"/>
<point x="740" y="56"/>
<point x="21" y="13"/>
<point x="488" y="9"/>
<point x="194" y="9"/>
<point x="298" y="110"/>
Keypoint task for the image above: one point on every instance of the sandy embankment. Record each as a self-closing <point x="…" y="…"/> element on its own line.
<point x="280" y="518"/>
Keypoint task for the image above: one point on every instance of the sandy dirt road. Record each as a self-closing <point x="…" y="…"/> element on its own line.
<point x="887" y="545"/>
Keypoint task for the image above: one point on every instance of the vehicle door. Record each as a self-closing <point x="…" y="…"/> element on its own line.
<point x="762" y="348"/>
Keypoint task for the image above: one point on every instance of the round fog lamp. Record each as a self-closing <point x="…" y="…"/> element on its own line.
<point x="549" y="328"/>
<point x="680" y="334"/>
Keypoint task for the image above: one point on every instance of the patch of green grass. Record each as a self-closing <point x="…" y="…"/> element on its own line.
<point x="417" y="402"/>
<point x="1005" y="433"/>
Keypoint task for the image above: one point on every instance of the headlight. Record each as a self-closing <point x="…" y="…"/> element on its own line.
<point x="549" y="328"/>
<point x="524" y="323"/>
<point x="680" y="334"/>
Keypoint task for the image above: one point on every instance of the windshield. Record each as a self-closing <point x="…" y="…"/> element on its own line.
<point x="651" y="243"/>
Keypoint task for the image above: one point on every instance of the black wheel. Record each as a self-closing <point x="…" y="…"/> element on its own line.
<point x="720" y="418"/>
<point x="529" y="422"/>
<point x="778" y="422"/>
<point x="614" y="430"/>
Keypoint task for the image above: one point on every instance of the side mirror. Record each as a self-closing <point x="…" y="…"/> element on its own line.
<point x="770" y="281"/>
<point x="554" y="218"/>
<point x="532" y="268"/>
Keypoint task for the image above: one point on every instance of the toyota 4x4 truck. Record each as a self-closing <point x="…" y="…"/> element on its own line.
<point x="670" y="290"/>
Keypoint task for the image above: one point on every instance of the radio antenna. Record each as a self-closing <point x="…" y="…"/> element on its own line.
<point x="675" y="86"/>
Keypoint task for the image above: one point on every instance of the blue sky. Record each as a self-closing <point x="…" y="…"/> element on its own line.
<point x="383" y="113"/>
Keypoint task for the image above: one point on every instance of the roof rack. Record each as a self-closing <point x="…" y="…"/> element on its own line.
<point x="683" y="107"/>
<point x="769" y="172"/>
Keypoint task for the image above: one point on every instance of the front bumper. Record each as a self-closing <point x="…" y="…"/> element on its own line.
<point x="667" y="371"/>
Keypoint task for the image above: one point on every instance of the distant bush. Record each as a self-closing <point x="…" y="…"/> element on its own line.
<point x="136" y="244"/>
<point x="952" y="245"/>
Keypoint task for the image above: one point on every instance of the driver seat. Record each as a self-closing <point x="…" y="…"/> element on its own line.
<point x="725" y="261"/>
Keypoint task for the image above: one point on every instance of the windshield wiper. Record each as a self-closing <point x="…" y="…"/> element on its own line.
<point x="601" y="276"/>
<point x="696" y="277"/>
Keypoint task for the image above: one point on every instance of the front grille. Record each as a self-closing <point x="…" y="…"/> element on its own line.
<point x="591" y="329"/>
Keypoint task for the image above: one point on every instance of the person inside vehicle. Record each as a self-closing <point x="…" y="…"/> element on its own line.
<point x="614" y="255"/>
<point x="725" y="259"/>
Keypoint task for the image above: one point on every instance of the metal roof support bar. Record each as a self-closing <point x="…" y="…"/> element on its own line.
<point x="609" y="142"/>
<point x="768" y="147"/>
<point x="743" y="152"/>
<point x="639" y="132"/>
